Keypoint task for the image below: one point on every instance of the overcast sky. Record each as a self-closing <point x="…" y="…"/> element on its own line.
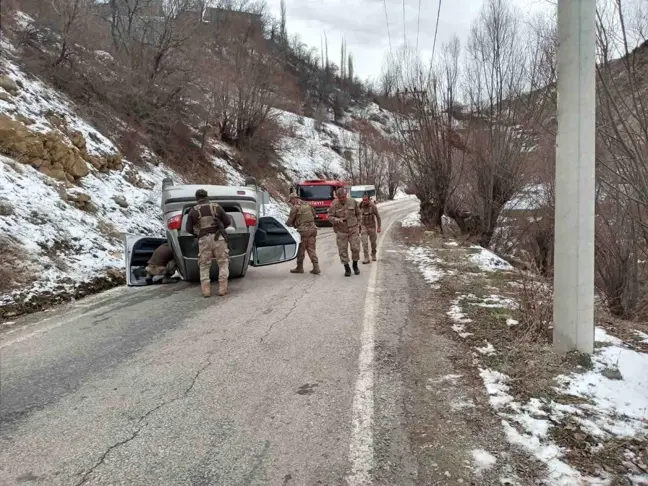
<point x="363" y="24"/>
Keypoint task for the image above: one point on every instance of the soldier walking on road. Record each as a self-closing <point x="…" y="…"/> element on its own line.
<point x="344" y="213"/>
<point x="302" y="218"/>
<point x="208" y="220"/>
<point x="370" y="226"/>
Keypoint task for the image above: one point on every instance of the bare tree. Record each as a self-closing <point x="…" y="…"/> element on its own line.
<point x="622" y="161"/>
<point x="426" y="131"/>
<point x="393" y="175"/>
<point x="498" y="134"/>
<point x="389" y="75"/>
<point x="369" y="161"/>
<point x="283" y="32"/>
<point x="343" y="62"/>
<point x="71" y="17"/>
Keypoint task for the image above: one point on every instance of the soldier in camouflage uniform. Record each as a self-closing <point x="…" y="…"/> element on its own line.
<point x="344" y="213"/>
<point x="370" y="226"/>
<point x="161" y="263"/>
<point x="208" y="220"/>
<point x="302" y="217"/>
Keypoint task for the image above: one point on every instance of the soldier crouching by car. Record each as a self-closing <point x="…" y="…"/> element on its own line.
<point x="161" y="263"/>
<point x="208" y="220"/>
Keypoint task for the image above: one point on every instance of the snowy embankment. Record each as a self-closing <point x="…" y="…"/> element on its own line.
<point x="65" y="235"/>
<point x="62" y="239"/>
<point x="589" y="424"/>
<point x="309" y="153"/>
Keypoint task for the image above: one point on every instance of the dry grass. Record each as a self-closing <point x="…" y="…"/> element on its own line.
<point x="590" y="454"/>
<point x="524" y="352"/>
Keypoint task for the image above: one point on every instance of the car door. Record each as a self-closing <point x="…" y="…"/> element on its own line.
<point x="274" y="243"/>
<point x="137" y="252"/>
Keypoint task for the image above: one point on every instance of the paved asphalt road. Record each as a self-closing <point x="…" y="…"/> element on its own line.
<point x="275" y="384"/>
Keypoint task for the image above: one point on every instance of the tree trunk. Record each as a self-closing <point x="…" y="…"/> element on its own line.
<point x="486" y="236"/>
<point x="63" y="54"/>
<point x="431" y="213"/>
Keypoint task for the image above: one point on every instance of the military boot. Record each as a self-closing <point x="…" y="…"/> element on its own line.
<point x="222" y="288"/>
<point x="356" y="270"/>
<point x="206" y="288"/>
<point x="316" y="269"/>
<point x="366" y="260"/>
<point x="373" y="257"/>
<point x="298" y="269"/>
<point x="347" y="270"/>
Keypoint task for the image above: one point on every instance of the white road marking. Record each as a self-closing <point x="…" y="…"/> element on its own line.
<point x="361" y="453"/>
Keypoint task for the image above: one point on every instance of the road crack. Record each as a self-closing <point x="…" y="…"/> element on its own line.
<point x="290" y="311"/>
<point x="141" y="424"/>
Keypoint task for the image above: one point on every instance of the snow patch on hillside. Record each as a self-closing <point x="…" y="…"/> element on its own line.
<point x="309" y="152"/>
<point x="61" y="246"/>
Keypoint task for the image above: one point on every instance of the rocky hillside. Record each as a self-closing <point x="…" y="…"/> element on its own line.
<point x="69" y="195"/>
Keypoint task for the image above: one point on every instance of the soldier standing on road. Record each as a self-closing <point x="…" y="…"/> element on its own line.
<point x="370" y="226"/>
<point x="344" y="213"/>
<point x="302" y="217"/>
<point x="208" y="220"/>
<point x="161" y="263"/>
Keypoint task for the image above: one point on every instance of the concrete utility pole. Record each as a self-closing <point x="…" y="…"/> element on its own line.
<point x="575" y="177"/>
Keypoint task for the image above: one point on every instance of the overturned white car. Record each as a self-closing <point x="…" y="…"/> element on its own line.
<point x="253" y="240"/>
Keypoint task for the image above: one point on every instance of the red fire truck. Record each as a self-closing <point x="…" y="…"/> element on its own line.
<point x="320" y="194"/>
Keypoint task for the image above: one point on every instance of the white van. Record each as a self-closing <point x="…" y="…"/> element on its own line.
<point x="358" y="192"/>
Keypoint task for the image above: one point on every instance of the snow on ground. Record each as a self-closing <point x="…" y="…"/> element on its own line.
<point x="618" y="400"/>
<point x="38" y="100"/>
<point x="309" y="153"/>
<point x="65" y="245"/>
<point x="426" y="261"/>
<point x="459" y="317"/>
<point x="411" y="220"/>
<point x="535" y="196"/>
<point x="483" y="460"/>
<point x="613" y="393"/>
<point x="400" y="194"/>
<point x="614" y="408"/>
<point x="488" y="261"/>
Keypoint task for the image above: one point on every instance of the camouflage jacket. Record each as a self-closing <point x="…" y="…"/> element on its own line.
<point x="207" y="218"/>
<point x="161" y="256"/>
<point x="370" y="215"/>
<point x="344" y="216"/>
<point x="302" y="217"/>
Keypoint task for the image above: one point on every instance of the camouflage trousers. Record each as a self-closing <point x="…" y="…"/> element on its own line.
<point x="210" y="248"/>
<point x="167" y="270"/>
<point x="346" y="240"/>
<point x="368" y="235"/>
<point x="308" y="244"/>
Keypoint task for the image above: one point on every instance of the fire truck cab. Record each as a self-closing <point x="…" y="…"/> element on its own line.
<point x="320" y="194"/>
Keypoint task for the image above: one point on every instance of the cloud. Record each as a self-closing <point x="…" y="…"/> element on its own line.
<point x="368" y="31"/>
